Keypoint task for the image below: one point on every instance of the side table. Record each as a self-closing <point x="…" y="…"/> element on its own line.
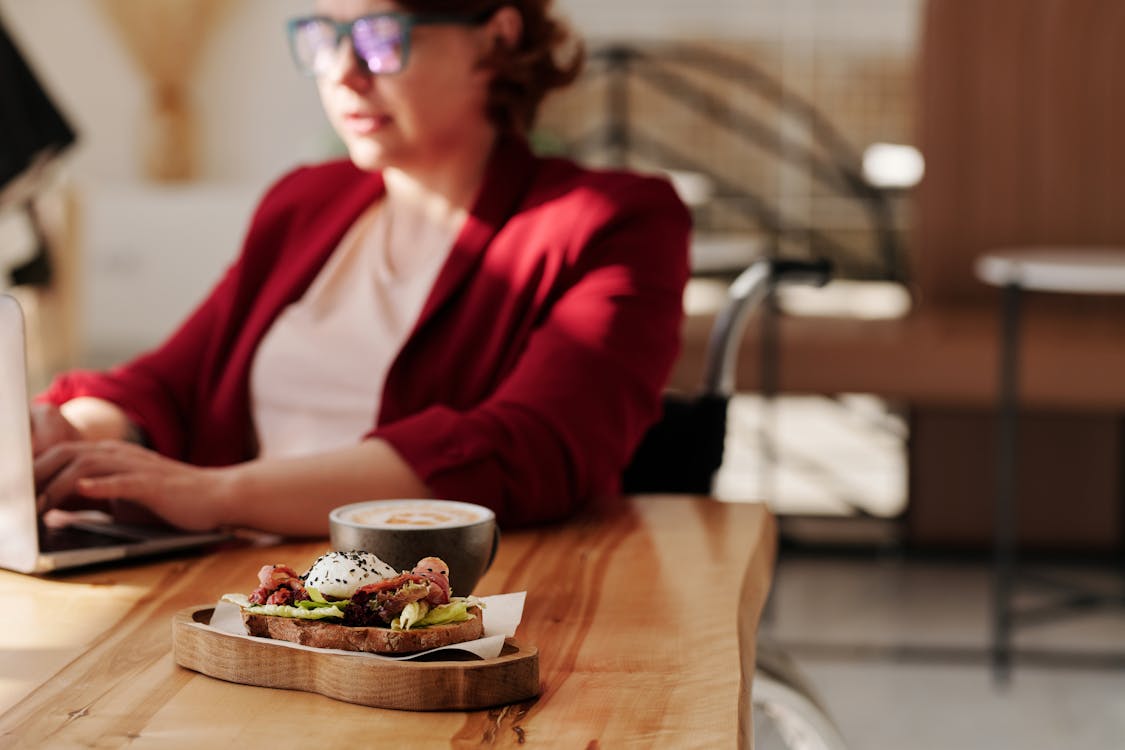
<point x="1093" y="270"/>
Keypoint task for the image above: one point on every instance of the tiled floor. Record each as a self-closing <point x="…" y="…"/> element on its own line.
<point x="897" y="646"/>
<point x="897" y="650"/>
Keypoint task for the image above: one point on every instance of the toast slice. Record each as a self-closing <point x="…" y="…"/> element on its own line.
<point x="321" y="634"/>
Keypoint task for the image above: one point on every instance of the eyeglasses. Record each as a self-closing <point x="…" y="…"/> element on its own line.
<point x="380" y="41"/>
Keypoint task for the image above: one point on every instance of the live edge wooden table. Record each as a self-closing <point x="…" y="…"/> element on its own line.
<point x="645" y="619"/>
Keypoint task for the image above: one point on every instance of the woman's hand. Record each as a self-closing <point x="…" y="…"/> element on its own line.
<point x="49" y="428"/>
<point x="291" y="496"/>
<point x="74" y="473"/>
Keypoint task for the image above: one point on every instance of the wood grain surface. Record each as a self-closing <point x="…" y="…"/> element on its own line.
<point x="449" y="684"/>
<point x="644" y="619"/>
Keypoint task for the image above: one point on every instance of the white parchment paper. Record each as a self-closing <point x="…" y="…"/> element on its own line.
<point x="501" y="614"/>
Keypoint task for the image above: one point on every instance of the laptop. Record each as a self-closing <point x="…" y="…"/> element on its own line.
<point x="26" y="544"/>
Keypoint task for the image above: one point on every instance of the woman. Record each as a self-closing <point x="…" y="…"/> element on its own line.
<point x="441" y="315"/>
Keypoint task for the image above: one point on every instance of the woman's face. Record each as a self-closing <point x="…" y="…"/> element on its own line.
<point x="419" y="116"/>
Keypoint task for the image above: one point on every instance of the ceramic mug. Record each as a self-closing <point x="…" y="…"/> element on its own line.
<point x="402" y="532"/>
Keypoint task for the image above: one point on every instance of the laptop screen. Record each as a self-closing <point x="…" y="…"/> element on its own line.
<point x="19" y="541"/>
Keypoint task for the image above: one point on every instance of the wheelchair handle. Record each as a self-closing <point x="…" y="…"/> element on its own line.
<point x="751" y="287"/>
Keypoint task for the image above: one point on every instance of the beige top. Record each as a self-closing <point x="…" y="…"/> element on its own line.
<point x="317" y="378"/>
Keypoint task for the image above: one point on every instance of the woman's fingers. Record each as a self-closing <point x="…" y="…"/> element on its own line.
<point x="49" y="428"/>
<point x="59" y="469"/>
<point x="59" y="457"/>
<point x="121" y="485"/>
<point x="85" y="474"/>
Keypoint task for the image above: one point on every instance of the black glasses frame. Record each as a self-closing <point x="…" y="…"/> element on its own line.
<point x="406" y="22"/>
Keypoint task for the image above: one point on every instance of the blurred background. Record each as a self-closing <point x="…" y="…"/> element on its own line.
<point x="901" y="140"/>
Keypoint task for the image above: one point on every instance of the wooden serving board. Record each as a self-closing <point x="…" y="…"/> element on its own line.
<point x="460" y="681"/>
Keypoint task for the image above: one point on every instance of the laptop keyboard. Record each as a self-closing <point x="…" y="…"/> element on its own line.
<point x="85" y="535"/>
<point x="68" y="537"/>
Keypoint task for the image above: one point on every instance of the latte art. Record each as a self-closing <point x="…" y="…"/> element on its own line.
<point x="417" y="516"/>
<point x="402" y="531"/>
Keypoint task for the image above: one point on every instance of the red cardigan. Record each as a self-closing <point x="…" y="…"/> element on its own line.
<point x="536" y="365"/>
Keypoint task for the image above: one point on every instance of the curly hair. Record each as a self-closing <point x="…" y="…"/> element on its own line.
<point x="547" y="57"/>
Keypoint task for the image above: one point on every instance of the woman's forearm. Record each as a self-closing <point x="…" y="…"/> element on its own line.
<point x="294" y="496"/>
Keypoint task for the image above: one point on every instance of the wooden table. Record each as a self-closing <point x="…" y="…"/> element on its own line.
<point x="645" y="620"/>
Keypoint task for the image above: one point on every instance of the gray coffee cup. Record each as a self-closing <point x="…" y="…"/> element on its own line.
<point x="402" y="532"/>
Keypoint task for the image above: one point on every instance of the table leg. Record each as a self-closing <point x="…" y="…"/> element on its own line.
<point x="1004" y="534"/>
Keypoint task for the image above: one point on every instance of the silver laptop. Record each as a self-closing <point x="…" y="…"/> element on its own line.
<point x="26" y="545"/>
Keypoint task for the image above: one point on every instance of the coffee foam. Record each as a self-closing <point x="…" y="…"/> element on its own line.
<point x="421" y="515"/>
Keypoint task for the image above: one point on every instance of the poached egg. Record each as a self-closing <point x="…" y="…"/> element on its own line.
<point x="339" y="574"/>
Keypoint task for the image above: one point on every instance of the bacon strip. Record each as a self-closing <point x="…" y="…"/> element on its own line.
<point x="437" y="572"/>
<point x="280" y="585"/>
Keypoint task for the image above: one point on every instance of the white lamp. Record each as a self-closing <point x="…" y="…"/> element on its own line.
<point x="893" y="166"/>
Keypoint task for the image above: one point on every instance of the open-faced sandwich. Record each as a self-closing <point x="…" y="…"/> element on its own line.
<point x="356" y="602"/>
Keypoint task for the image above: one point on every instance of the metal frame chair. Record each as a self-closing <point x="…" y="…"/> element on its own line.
<point x="785" y="705"/>
<point x="683" y="451"/>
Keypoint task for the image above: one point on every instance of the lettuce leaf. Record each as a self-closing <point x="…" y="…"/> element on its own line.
<point x="315" y="595"/>
<point x="320" y="612"/>
<point x="316" y="599"/>
<point x="310" y="604"/>
<point x="286" y="610"/>
<point x="456" y="611"/>
<point x="411" y="615"/>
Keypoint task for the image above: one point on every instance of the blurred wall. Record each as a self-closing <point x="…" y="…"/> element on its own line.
<point x="256" y="116"/>
<point x="149" y="252"/>
<point x="156" y="249"/>
<point x="863" y="22"/>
